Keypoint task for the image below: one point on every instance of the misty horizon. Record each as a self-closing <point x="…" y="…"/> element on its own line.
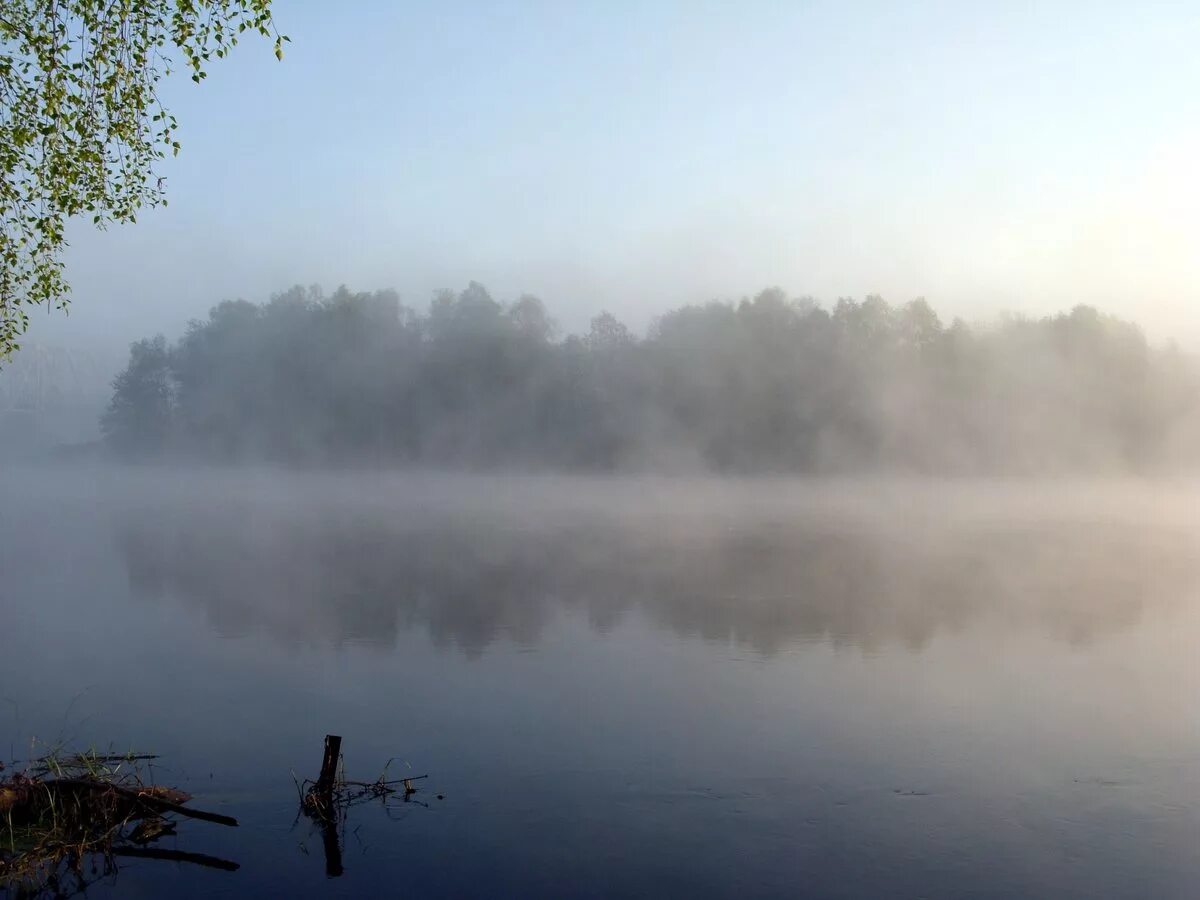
<point x="770" y="384"/>
<point x="67" y="391"/>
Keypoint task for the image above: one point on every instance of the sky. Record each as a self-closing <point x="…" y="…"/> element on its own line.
<point x="1019" y="157"/>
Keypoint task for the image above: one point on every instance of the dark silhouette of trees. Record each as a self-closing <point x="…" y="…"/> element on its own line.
<point x="769" y="384"/>
<point x="138" y="421"/>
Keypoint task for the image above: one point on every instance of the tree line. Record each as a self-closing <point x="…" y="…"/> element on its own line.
<point x="767" y="384"/>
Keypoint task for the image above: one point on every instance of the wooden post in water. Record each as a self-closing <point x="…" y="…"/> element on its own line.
<point x="323" y="791"/>
<point x="329" y="764"/>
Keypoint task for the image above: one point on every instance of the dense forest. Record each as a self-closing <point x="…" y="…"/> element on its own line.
<point x="768" y="384"/>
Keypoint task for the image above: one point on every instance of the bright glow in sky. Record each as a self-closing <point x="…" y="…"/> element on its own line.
<point x="635" y="156"/>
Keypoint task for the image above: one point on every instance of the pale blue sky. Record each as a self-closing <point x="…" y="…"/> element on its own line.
<point x="635" y="156"/>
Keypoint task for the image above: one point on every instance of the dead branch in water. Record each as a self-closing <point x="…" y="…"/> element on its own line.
<point x="327" y="800"/>
<point x="332" y="792"/>
<point x="126" y="803"/>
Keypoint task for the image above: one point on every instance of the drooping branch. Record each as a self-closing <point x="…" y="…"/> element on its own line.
<point x="82" y="126"/>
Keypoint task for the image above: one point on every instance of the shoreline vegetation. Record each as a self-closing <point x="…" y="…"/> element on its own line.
<point x="768" y="385"/>
<point x="67" y="819"/>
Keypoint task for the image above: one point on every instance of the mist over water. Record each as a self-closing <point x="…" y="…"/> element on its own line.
<point x="854" y="687"/>
<point x="764" y="563"/>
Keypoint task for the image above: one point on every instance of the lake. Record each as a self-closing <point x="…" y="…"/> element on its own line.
<point x="626" y="687"/>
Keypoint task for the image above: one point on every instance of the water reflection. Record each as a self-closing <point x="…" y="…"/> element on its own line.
<point x="981" y="751"/>
<point x="316" y="576"/>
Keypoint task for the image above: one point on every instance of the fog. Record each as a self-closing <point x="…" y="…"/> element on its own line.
<point x="307" y="559"/>
<point x="769" y="384"/>
<point x="52" y="397"/>
<point x="310" y="558"/>
<point x="763" y="566"/>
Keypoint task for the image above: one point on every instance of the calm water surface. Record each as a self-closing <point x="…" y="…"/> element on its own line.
<point x="628" y="687"/>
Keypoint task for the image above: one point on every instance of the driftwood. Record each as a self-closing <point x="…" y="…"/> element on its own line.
<point x="29" y="795"/>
